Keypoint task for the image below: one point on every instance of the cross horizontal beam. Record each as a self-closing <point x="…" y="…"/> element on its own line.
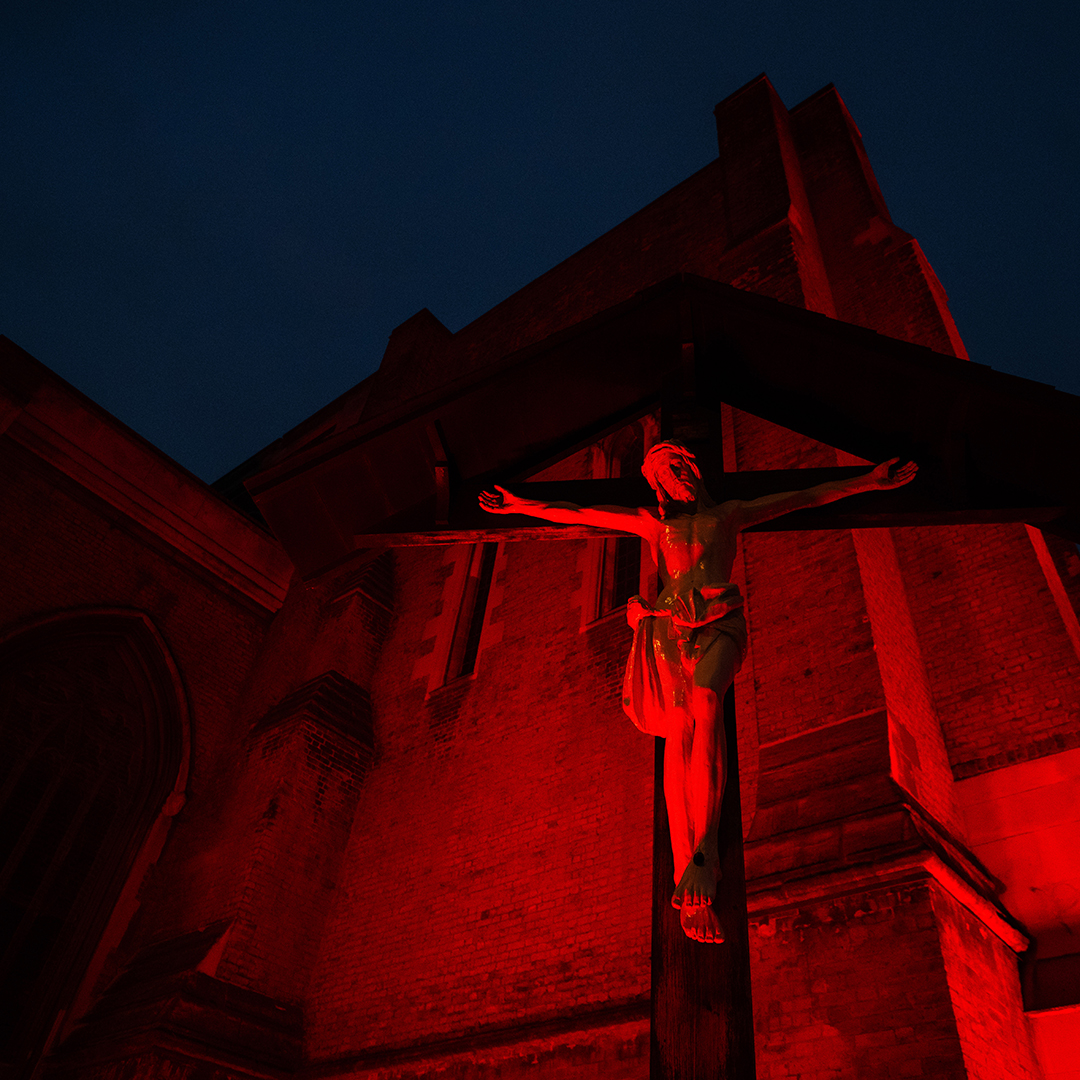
<point x="900" y="508"/>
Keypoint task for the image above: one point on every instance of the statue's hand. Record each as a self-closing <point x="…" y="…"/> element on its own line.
<point x="500" y="501"/>
<point x="637" y="608"/>
<point x="886" y="475"/>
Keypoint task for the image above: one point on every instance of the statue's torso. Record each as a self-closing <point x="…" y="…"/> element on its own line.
<point x="695" y="553"/>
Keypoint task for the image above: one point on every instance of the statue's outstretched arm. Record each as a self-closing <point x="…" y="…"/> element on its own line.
<point x="615" y="518"/>
<point x="881" y="478"/>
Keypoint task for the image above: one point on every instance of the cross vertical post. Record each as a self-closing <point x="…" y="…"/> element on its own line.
<point x="702" y="1014"/>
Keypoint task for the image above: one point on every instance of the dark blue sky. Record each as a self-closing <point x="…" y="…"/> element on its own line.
<point x="215" y="213"/>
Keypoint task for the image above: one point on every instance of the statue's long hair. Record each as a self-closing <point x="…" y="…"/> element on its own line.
<point x="648" y="470"/>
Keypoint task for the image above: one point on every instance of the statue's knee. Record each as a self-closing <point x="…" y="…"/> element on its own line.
<point x="708" y="708"/>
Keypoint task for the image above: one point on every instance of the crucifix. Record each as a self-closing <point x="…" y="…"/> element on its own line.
<point x="678" y="347"/>
<point x="688" y="646"/>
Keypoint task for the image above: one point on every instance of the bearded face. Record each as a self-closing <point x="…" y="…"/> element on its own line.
<point x="672" y="472"/>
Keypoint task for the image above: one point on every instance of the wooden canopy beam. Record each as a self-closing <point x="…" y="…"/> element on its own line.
<point x="991" y="447"/>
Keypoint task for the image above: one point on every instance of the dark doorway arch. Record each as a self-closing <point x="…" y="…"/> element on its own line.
<point x="92" y="740"/>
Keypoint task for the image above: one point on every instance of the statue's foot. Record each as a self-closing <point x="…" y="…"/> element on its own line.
<point x="700" y="923"/>
<point x="697" y="885"/>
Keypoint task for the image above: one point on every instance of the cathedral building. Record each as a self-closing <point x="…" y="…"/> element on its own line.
<point x="320" y="772"/>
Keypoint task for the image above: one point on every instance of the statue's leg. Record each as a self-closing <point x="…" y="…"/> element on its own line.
<point x="705" y="774"/>
<point x="678" y="751"/>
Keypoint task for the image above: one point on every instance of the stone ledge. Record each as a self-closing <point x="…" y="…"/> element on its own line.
<point x="328" y="701"/>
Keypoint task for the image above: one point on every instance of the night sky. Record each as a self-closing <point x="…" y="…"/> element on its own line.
<point x="215" y="213"/>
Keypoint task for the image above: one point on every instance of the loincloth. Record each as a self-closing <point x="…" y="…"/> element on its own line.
<point x="670" y="654"/>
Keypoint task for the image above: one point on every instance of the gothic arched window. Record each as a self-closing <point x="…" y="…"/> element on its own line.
<point x="91" y="741"/>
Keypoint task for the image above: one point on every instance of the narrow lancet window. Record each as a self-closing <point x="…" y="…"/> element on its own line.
<point x="471" y="614"/>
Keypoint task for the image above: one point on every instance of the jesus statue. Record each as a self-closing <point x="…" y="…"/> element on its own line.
<point x="688" y="646"/>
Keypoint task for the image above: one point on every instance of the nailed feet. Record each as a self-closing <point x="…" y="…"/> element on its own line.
<point x="701" y="923"/>
<point x="693" y="897"/>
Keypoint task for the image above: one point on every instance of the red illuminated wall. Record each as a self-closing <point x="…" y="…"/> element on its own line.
<point x="382" y="872"/>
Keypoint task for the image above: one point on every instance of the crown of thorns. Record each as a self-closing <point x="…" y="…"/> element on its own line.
<point x="672" y="446"/>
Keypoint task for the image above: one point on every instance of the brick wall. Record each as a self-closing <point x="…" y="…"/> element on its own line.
<point x="917" y="750"/>
<point x="813" y="658"/>
<point x="854" y="987"/>
<point x="263" y="851"/>
<point x="495" y="864"/>
<point x="1003" y="672"/>
<point x="984" y="984"/>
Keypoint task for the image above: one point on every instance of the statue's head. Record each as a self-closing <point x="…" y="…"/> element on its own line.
<point x="673" y="473"/>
